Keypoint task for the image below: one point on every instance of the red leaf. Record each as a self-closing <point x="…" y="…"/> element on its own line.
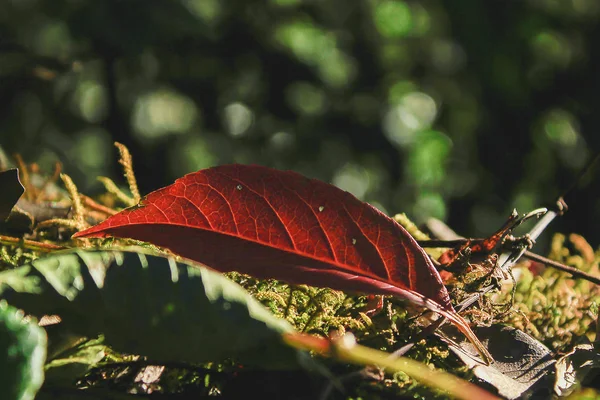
<point x="282" y="225"/>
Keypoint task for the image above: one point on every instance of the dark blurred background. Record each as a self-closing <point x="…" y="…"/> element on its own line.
<point x="460" y="110"/>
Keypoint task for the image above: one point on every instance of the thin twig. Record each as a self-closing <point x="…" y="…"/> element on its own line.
<point x="30" y="244"/>
<point x="577" y="273"/>
<point x="90" y="203"/>
<point x="434" y="326"/>
<point x="445" y="243"/>
<point x="527" y="254"/>
<point x="49" y="223"/>
<point x="431" y="328"/>
<point x="506" y="260"/>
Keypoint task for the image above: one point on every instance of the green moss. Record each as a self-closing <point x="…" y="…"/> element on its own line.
<point x="546" y="303"/>
<point x="552" y="306"/>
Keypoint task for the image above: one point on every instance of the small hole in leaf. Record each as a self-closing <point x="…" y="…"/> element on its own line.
<point x="321" y="208"/>
<point x="353" y="241"/>
<point x="239" y="187"/>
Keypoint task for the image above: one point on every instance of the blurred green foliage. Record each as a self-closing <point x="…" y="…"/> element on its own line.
<point x="459" y="110"/>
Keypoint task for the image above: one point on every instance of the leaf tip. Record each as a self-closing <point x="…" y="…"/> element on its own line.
<point x="93" y="232"/>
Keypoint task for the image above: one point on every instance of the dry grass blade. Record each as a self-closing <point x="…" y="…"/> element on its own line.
<point x="127" y="164"/>
<point x="346" y="349"/>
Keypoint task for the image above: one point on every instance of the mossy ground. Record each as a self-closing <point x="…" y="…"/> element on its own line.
<point x="545" y="303"/>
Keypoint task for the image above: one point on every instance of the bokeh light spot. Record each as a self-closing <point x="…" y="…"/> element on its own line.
<point x="308" y="42"/>
<point x="206" y="10"/>
<point x="163" y="112"/>
<point x="91" y="101"/>
<point x="92" y="150"/>
<point x="306" y="99"/>
<point x="53" y="39"/>
<point x="191" y="153"/>
<point x="415" y="111"/>
<point x="447" y="56"/>
<point x="429" y="205"/>
<point x="393" y="19"/>
<point x="286" y="3"/>
<point x="561" y="128"/>
<point x="352" y="178"/>
<point x="237" y="118"/>
<point x="552" y="48"/>
<point x="427" y="158"/>
<point x="336" y="69"/>
<point x="282" y="141"/>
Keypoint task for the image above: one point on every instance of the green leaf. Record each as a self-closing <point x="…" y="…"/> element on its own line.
<point x="153" y="306"/>
<point x="73" y="363"/>
<point x="19" y="280"/>
<point x="23" y="349"/>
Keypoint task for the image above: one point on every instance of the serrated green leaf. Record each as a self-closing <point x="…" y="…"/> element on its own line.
<point x="19" y="280"/>
<point x="154" y="306"/>
<point x="23" y="353"/>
